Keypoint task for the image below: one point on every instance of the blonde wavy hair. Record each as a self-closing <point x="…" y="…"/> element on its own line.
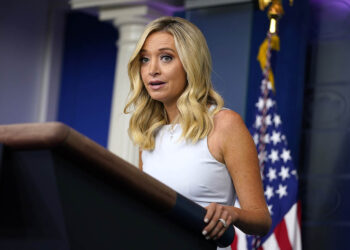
<point x="194" y="116"/>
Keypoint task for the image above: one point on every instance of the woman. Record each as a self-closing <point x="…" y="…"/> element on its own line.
<point x="188" y="141"/>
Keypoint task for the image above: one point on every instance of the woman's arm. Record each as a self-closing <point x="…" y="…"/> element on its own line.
<point x="231" y="143"/>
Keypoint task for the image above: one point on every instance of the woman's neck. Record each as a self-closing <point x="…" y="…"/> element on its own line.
<point x="172" y="113"/>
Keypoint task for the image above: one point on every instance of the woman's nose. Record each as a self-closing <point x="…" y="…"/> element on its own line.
<point x="154" y="68"/>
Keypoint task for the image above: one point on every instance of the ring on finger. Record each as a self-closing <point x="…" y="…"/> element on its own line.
<point x="223" y="222"/>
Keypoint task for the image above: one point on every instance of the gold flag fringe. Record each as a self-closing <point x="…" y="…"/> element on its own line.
<point x="262" y="58"/>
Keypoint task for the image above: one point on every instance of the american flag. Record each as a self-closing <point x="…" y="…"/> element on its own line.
<point x="279" y="178"/>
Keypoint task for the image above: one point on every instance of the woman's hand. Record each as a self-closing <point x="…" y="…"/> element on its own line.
<point x="218" y="218"/>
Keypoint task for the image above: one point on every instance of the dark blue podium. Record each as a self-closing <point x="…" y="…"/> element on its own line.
<point x="61" y="190"/>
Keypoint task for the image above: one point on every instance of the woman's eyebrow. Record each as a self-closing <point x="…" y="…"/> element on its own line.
<point x="161" y="49"/>
<point x="166" y="49"/>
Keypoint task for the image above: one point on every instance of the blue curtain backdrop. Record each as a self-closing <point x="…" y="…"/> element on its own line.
<point x="88" y="75"/>
<point x="227" y="29"/>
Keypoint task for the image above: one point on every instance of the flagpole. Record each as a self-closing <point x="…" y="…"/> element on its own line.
<point x="275" y="12"/>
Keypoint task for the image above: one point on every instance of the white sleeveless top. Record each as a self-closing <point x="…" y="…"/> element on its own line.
<point x="190" y="169"/>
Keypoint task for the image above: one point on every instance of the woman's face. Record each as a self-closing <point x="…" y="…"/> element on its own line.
<point x="161" y="69"/>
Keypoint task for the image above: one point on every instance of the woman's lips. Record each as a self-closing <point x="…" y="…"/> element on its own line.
<point x="156" y="84"/>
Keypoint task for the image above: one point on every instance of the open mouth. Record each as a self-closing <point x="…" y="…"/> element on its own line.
<point x="156" y="83"/>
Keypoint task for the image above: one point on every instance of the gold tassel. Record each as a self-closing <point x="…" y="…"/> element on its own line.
<point x="275" y="45"/>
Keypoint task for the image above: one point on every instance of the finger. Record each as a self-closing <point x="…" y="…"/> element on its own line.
<point x="222" y="231"/>
<point x="213" y="222"/>
<point x="219" y="225"/>
<point x="229" y="221"/>
<point x="210" y="212"/>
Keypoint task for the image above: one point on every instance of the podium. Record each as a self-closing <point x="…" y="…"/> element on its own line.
<point x="60" y="190"/>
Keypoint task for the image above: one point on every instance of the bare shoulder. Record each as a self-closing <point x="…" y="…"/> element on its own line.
<point x="228" y="135"/>
<point x="226" y="125"/>
<point x="226" y="120"/>
<point x="231" y="131"/>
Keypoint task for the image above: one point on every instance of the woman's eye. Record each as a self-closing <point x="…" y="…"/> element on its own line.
<point x="144" y="59"/>
<point x="166" y="58"/>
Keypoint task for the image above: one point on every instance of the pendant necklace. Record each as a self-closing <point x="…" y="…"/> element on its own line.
<point x="172" y="130"/>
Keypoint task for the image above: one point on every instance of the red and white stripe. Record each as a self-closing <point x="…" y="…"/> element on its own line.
<point x="286" y="236"/>
<point x="240" y="241"/>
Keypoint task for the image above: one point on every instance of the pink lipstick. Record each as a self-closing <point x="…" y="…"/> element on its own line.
<point x="156" y="84"/>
